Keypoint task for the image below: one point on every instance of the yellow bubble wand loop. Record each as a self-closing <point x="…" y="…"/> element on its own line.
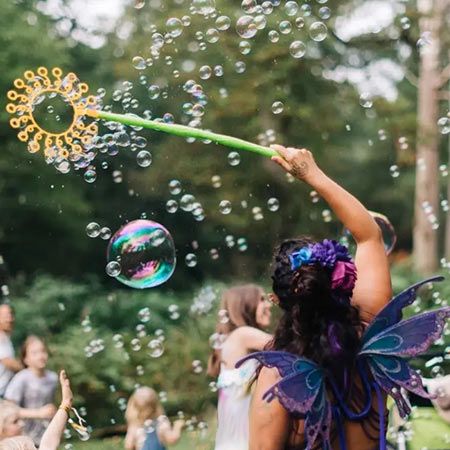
<point x="78" y="134"/>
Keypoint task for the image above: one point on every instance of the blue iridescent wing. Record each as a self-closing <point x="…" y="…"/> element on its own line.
<point x="301" y="391"/>
<point x="392" y="312"/>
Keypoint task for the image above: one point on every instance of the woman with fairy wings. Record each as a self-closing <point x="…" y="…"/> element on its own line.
<point x="340" y="345"/>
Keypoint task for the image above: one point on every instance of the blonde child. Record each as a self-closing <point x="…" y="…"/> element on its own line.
<point x="148" y="428"/>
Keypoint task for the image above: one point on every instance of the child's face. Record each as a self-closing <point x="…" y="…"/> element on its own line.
<point x="13" y="426"/>
<point x="36" y="355"/>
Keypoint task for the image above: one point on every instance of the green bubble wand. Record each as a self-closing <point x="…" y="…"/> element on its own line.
<point x="72" y="140"/>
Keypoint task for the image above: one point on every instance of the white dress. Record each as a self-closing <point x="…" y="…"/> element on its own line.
<point x="233" y="407"/>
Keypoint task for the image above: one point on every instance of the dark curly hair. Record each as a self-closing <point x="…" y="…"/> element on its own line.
<point x="315" y="323"/>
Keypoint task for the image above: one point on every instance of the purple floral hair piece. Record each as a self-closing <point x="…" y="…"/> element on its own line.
<point x="332" y="255"/>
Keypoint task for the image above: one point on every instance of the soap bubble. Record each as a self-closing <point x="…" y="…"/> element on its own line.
<point x="174" y="187"/>
<point x="291" y="8"/>
<point x="318" y="31"/>
<point x="93" y="229"/>
<point x="144" y="158"/>
<point x="249" y="6"/>
<point x="113" y="269"/>
<point x="172" y="206"/>
<point x="234" y="158"/>
<point x="277" y="107"/>
<point x="273" y="204"/>
<point x="285" y="27"/>
<point x="139" y="63"/>
<point x="105" y="233"/>
<point x="191" y="260"/>
<point x="174" y="26"/>
<point x="90" y="176"/>
<point x="444" y="125"/>
<point x="156" y="348"/>
<point x="223" y="23"/>
<point x="297" y="49"/>
<point x="187" y="202"/>
<point x="146" y="252"/>
<point x="246" y="27"/>
<point x="204" y="7"/>
<point x="225" y="207"/>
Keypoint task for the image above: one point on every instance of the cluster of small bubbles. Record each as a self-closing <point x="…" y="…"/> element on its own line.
<point x="273" y="204"/>
<point x="257" y="213"/>
<point x="203" y="302"/>
<point x="297" y="49"/>
<point x="443" y="169"/>
<point x="118" y="341"/>
<point x="95" y="346"/>
<point x="216" y="181"/>
<point x="267" y="138"/>
<point x="174" y="312"/>
<point x="285" y="27"/>
<point x="155" y="348"/>
<point x="405" y="23"/>
<point x="444" y="125"/>
<point x="113" y="269"/>
<point x="234" y="158"/>
<point x="394" y="171"/>
<point x="171" y="206"/>
<point x="144" y="315"/>
<point x="277" y="107"/>
<point x="225" y="207"/>
<point x="246" y="27"/>
<point x="190" y="260"/>
<point x="86" y="324"/>
<point x="365" y="100"/>
<point x="430" y="215"/>
<point x="326" y="215"/>
<point x="144" y="158"/>
<point x="242" y="244"/>
<point x="197" y="366"/>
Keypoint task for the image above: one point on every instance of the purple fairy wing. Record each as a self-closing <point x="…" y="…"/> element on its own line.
<point x="384" y="351"/>
<point x="301" y="391"/>
<point x="283" y="361"/>
<point x="392" y="312"/>
<point x="409" y="337"/>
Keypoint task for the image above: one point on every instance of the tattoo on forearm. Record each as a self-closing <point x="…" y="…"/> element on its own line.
<point x="300" y="170"/>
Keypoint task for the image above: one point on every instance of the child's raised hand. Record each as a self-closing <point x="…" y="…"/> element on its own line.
<point x="66" y="391"/>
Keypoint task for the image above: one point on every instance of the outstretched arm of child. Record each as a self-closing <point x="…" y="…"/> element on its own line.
<point x="170" y="435"/>
<point x="52" y="436"/>
<point x="373" y="287"/>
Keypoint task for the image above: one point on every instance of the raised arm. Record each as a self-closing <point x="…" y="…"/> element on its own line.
<point x="373" y="287"/>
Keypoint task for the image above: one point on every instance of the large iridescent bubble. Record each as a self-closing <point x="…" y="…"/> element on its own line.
<point x="387" y="229"/>
<point x="146" y="253"/>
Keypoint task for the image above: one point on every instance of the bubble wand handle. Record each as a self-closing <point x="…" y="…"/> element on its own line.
<point x="183" y="131"/>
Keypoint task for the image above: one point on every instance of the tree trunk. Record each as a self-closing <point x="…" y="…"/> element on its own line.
<point x="427" y="172"/>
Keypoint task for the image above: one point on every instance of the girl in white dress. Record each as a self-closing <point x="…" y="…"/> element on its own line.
<point x="244" y="312"/>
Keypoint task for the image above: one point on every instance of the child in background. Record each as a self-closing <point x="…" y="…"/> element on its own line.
<point x="11" y="425"/>
<point x="148" y="429"/>
<point x="34" y="389"/>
